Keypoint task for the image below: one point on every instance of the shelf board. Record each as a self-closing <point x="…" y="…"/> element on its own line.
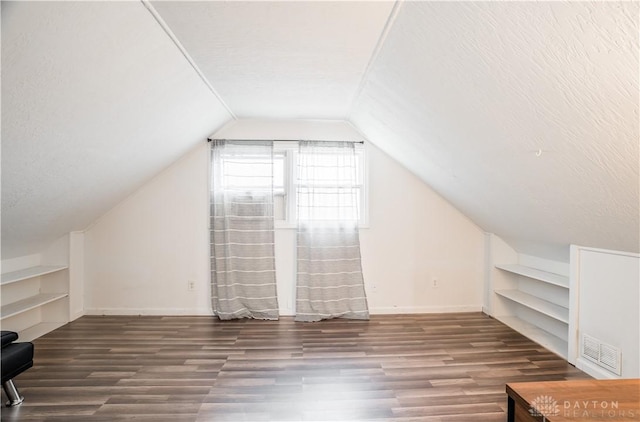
<point x="38" y="330"/>
<point x="547" y="277"/>
<point x="540" y="305"/>
<point x="31" y="272"/>
<point x="29" y="303"/>
<point x="537" y="334"/>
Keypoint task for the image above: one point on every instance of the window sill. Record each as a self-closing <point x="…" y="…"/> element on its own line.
<point x="285" y="225"/>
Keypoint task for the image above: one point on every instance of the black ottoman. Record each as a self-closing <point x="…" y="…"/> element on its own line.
<point x="16" y="358"/>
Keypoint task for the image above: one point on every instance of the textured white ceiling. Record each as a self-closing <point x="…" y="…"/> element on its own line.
<point x="96" y="100"/>
<point x="291" y="59"/>
<point x="465" y="94"/>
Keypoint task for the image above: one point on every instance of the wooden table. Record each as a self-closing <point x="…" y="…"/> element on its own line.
<point x="577" y="400"/>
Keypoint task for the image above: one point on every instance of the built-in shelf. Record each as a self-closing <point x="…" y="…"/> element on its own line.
<point x="533" y="302"/>
<point x="36" y="290"/>
<point x="530" y="294"/>
<point x="29" y="303"/>
<point x="537" y="334"/>
<point x="547" y="277"/>
<point x="39" y="330"/>
<point x="30" y="272"/>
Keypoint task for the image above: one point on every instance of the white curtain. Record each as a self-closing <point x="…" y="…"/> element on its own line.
<point x="329" y="271"/>
<point x="243" y="279"/>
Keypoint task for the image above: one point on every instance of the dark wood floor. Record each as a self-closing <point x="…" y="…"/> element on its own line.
<point x="434" y="367"/>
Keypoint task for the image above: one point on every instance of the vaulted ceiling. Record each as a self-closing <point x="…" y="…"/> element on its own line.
<point x="524" y="115"/>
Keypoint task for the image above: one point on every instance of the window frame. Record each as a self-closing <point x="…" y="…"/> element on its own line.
<point x="290" y="150"/>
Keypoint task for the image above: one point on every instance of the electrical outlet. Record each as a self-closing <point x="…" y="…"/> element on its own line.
<point x="434" y="283"/>
<point x="191" y="285"/>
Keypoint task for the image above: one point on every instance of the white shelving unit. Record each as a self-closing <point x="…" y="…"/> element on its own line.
<point x="35" y="300"/>
<point x="540" y="305"/>
<point x="30" y="272"/>
<point x="534" y="273"/>
<point x="529" y="294"/>
<point x="32" y="302"/>
<point x="537" y="334"/>
<point x="533" y="302"/>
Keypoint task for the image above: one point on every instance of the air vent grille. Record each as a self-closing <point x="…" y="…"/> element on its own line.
<point x="590" y="347"/>
<point x="610" y="357"/>
<point x="604" y="355"/>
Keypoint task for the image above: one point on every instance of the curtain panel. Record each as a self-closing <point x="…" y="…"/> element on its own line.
<point x="329" y="270"/>
<point x="243" y="278"/>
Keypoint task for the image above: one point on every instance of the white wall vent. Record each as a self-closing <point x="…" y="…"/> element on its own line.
<point x="602" y="354"/>
<point x="590" y="347"/>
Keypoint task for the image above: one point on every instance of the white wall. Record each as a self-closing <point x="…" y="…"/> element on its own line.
<point x="608" y="296"/>
<point x="76" y="275"/>
<point x="140" y="256"/>
<point x="414" y="237"/>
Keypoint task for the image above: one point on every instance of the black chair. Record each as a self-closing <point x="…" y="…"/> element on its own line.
<point x="16" y="358"/>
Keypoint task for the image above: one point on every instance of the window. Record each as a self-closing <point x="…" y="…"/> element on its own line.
<point x="328" y="188"/>
<point x="334" y="187"/>
<point x="248" y="174"/>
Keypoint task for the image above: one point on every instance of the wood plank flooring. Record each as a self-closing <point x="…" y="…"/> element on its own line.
<point x="429" y="367"/>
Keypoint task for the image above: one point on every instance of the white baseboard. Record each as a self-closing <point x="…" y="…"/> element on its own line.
<point x="150" y="311"/>
<point x="76" y="315"/>
<point x="423" y="309"/>
<point x="195" y="312"/>
<point x="594" y="370"/>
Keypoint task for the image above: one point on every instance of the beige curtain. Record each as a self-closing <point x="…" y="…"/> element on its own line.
<point x="243" y="278"/>
<point x="329" y="271"/>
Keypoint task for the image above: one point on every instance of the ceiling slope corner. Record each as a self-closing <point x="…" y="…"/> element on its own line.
<point x="465" y="95"/>
<point x="108" y="111"/>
